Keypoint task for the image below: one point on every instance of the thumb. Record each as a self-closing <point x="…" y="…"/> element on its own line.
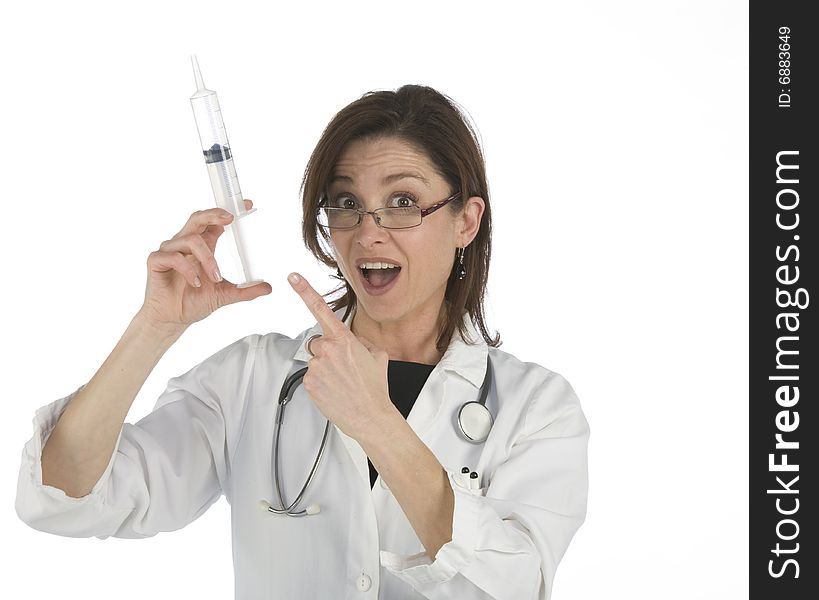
<point x="232" y="294"/>
<point x="369" y="345"/>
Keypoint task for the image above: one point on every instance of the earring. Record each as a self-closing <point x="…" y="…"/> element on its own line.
<point x="460" y="271"/>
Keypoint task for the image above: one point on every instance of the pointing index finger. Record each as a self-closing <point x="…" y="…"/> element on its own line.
<point x="330" y="323"/>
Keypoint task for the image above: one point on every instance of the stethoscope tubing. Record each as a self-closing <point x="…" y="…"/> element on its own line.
<point x="289" y="510"/>
<point x="286" y="395"/>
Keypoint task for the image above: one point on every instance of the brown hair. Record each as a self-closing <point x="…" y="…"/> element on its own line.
<point x="432" y="122"/>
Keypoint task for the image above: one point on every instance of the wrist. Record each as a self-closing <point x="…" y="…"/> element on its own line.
<point x="381" y="427"/>
<point x="162" y="333"/>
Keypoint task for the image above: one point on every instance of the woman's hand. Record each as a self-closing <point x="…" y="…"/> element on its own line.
<point x="347" y="376"/>
<point x="184" y="284"/>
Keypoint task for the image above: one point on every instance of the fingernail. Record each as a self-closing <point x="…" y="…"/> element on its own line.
<point x="197" y="282"/>
<point x="217" y="275"/>
<point x="293" y="278"/>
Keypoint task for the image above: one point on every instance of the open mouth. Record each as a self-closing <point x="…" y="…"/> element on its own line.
<point x="379" y="277"/>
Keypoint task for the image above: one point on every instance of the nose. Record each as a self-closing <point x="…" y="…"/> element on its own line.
<point x="369" y="232"/>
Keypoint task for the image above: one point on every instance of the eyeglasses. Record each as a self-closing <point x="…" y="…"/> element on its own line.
<point x="392" y="217"/>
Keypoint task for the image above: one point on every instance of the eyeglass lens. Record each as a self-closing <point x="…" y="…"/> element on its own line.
<point x="390" y="218"/>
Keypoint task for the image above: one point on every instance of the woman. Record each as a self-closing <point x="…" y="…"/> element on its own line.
<point x="395" y="199"/>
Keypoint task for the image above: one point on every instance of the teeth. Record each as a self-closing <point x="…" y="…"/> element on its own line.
<point x="377" y="265"/>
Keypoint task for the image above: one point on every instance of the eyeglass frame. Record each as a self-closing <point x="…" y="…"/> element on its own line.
<point x="361" y="213"/>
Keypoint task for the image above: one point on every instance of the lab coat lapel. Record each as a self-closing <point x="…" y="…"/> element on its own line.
<point x="357" y="455"/>
<point x="465" y="359"/>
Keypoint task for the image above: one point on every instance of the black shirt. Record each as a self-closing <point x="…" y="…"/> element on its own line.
<point x="405" y="381"/>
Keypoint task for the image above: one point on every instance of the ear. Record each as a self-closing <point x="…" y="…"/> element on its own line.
<point x="469" y="221"/>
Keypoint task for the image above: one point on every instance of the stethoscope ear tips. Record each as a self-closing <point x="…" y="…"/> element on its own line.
<point x="313" y="509"/>
<point x="264" y="505"/>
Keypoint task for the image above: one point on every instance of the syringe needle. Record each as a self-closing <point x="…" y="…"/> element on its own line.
<point x="200" y="85"/>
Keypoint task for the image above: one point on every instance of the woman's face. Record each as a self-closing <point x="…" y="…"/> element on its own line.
<point x="382" y="172"/>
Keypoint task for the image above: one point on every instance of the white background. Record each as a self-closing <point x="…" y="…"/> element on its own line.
<point x="616" y="139"/>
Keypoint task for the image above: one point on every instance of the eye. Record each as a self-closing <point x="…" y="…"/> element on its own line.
<point x="403" y="200"/>
<point x="344" y="201"/>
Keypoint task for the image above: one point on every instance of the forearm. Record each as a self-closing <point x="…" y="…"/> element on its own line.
<point x="416" y="479"/>
<point x="80" y="446"/>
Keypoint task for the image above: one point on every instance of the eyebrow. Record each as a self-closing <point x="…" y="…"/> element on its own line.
<point x="388" y="179"/>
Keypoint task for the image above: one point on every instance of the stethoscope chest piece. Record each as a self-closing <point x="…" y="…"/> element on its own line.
<point x="474" y="419"/>
<point x="475" y="422"/>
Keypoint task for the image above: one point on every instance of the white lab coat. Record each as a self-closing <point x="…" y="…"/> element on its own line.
<point x="211" y="434"/>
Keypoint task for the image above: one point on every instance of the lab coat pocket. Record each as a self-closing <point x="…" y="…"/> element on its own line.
<point x="475" y="486"/>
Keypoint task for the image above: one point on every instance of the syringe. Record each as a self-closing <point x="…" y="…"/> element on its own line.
<point x="219" y="161"/>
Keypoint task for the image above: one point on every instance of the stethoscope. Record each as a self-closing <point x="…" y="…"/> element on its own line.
<point x="474" y="422"/>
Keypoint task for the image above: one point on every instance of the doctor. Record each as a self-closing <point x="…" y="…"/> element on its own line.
<point x="403" y="504"/>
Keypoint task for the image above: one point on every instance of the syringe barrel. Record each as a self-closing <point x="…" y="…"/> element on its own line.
<point x="222" y="173"/>
<point x="216" y="150"/>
